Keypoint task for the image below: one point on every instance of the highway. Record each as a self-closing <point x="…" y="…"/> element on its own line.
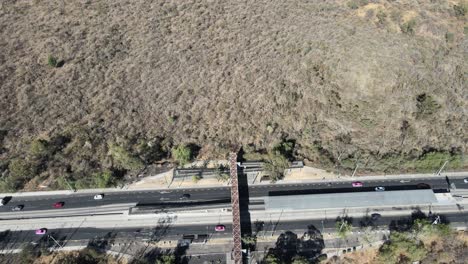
<point x="79" y="200"/>
<point x="14" y="239"/>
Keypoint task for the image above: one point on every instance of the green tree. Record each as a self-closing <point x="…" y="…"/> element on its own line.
<point x="402" y="248"/>
<point x="271" y="259"/>
<point x="21" y="171"/>
<point x="343" y="228"/>
<point x="426" y="106"/>
<point x="52" y="61"/>
<point x="39" y="148"/>
<point x="124" y="159"/>
<point x="196" y="178"/>
<point x="7" y="185"/>
<point x="249" y="240"/>
<point x="461" y="9"/>
<point x="408" y="27"/>
<point x="20" y="168"/>
<point x="285" y="148"/>
<point x="221" y="175"/>
<point x="103" y="179"/>
<point x="182" y="154"/>
<point x="166" y="259"/>
<point x="275" y="165"/>
<point x="300" y="260"/>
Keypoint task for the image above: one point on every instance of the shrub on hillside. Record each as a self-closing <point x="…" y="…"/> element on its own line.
<point x="124" y="159"/>
<point x="275" y="165"/>
<point x="182" y="154"/>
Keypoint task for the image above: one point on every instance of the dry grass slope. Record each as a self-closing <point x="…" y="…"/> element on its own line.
<point x="341" y="78"/>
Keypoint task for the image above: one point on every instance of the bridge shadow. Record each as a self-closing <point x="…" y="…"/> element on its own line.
<point x="246" y="221"/>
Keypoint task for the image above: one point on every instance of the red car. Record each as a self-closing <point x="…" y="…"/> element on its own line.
<point x="59" y="204"/>
<point x="357" y="184"/>
<point x="41" y="231"/>
<point x="220" y="228"/>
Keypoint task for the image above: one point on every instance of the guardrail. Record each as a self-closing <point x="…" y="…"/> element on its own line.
<point x="244" y="167"/>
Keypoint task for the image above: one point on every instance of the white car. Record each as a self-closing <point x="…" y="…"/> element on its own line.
<point x="379" y="189"/>
<point x="98" y="196"/>
<point x="465" y="180"/>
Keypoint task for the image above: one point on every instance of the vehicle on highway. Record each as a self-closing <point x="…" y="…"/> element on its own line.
<point x="375" y="216"/>
<point x="465" y="180"/>
<point x="3" y="201"/>
<point x="405" y="181"/>
<point x="98" y="196"/>
<point x="185" y="196"/>
<point x="220" y="228"/>
<point x="18" y="207"/>
<point x="380" y="189"/>
<point x="59" y="204"/>
<point x="357" y="184"/>
<point x="41" y="231"/>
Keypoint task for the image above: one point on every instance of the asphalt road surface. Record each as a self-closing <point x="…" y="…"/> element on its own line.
<point x="14" y="239"/>
<point x="45" y="202"/>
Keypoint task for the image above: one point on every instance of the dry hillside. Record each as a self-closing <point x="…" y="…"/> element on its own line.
<point x="378" y="82"/>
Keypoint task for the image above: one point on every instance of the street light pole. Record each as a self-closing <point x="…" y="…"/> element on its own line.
<point x="441" y="168"/>
<point x="55" y="241"/>
<point x="277" y="223"/>
<point x="355" y="169"/>
<point x="69" y="185"/>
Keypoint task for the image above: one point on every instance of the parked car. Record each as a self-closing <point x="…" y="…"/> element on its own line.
<point x="220" y="228"/>
<point x="357" y="184"/>
<point x="59" y="204"/>
<point x="380" y="189"/>
<point x="98" y="196"/>
<point x="185" y="196"/>
<point x="41" y="231"/>
<point x="18" y="207"/>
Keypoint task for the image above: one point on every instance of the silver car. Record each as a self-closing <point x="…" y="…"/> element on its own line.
<point x="379" y="189"/>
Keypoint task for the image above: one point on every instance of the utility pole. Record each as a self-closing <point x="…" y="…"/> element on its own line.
<point x="342" y="224"/>
<point x="277" y="223"/>
<point x="55" y="241"/>
<point x="355" y="169"/>
<point x="69" y="185"/>
<point x="441" y="168"/>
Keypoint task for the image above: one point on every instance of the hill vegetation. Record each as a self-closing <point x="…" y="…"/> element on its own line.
<point x="94" y="93"/>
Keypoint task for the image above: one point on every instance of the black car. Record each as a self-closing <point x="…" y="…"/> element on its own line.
<point x="185" y="196"/>
<point x="18" y="208"/>
<point x="375" y="216"/>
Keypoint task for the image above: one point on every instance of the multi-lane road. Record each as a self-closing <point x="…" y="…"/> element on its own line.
<point x="167" y="231"/>
<point x="117" y="202"/>
<point x="79" y="200"/>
